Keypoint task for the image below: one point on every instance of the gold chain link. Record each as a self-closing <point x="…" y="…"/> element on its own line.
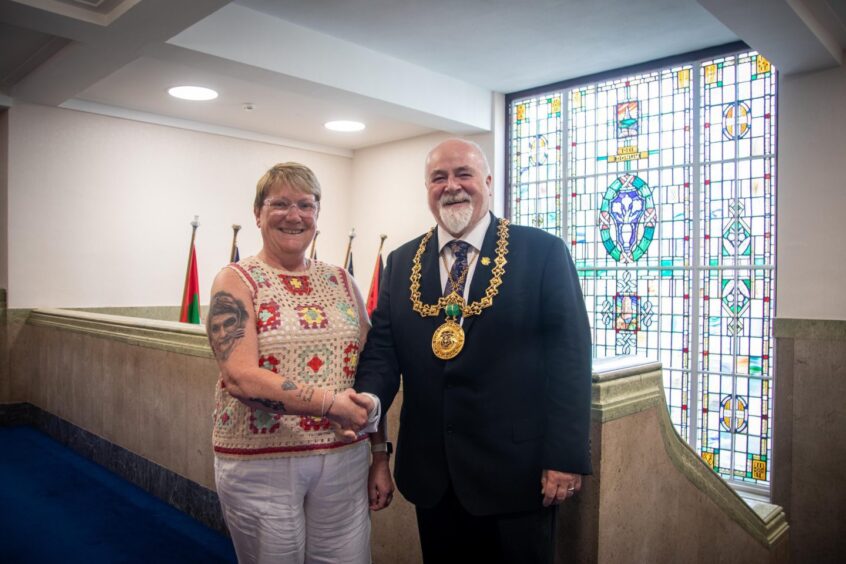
<point x="474" y="308"/>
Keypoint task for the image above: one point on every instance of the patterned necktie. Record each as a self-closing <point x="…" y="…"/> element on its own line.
<point x="459" y="251"/>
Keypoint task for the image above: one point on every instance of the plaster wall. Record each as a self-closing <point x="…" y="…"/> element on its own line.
<point x="99" y="208"/>
<point x="811" y="198"/>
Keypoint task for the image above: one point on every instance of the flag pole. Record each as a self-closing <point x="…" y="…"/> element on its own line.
<point x="194" y="225"/>
<point x="349" y="247"/>
<point x="235" y="229"/>
<point x="373" y="291"/>
<point x="381" y="243"/>
<point x="311" y="254"/>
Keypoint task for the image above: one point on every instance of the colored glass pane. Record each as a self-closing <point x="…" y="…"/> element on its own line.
<point x="536" y="163"/>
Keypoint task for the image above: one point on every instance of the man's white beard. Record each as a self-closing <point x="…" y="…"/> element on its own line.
<point x="456" y="218"/>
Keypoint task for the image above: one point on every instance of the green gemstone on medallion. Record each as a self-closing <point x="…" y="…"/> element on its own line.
<point x="452" y="310"/>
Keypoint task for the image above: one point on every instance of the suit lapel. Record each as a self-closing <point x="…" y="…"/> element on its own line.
<point x="482" y="274"/>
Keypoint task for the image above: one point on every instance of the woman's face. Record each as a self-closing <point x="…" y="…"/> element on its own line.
<point x="288" y="221"/>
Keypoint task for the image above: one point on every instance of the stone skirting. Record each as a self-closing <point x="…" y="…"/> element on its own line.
<point x="189" y="497"/>
<point x="164" y="335"/>
<point x="810" y="329"/>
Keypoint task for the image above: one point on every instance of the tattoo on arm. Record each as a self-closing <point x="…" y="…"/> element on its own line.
<point x="225" y="325"/>
<point x="270" y="404"/>
<point x="288" y="385"/>
<point x="306" y="393"/>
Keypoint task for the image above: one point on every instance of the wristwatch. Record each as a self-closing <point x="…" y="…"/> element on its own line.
<point x="386" y="447"/>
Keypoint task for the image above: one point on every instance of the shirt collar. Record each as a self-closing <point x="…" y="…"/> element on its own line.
<point x="475" y="236"/>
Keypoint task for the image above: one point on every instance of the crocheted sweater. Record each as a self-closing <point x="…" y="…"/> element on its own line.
<point x="309" y="331"/>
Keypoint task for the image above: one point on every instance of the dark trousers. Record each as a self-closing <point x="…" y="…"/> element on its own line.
<point x="449" y="534"/>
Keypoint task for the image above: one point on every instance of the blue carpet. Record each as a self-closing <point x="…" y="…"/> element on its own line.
<point x="56" y="506"/>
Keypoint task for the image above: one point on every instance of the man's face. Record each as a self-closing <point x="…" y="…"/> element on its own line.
<point x="222" y="327"/>
<point x="458" y="185"/>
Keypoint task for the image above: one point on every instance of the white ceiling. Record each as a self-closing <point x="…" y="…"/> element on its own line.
<point x="403" y="67"/>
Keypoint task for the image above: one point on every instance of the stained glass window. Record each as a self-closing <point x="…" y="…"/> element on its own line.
<point x="670" y="216"/>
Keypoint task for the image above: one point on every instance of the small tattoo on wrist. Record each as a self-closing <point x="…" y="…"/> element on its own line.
<point x="306" y="393"/>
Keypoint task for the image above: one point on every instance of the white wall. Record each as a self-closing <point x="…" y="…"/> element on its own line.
<point x="811" y="239"/>
<point x="390" y="197"/>
<point x="99" y="207"/>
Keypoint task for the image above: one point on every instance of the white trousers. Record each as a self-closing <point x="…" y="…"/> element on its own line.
<point x="297" y="510"/>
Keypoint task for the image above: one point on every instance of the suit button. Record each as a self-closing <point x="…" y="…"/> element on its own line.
<point x="449" y="429"/>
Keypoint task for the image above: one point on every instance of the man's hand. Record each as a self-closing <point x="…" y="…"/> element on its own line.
<point x="558" y="486"/>
<point x="380" y="485"/>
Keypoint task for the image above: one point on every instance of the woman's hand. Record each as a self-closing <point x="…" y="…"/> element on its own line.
<point x="349" y="410"/>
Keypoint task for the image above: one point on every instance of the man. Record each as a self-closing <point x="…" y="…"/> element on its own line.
<point x="493" y="344"/>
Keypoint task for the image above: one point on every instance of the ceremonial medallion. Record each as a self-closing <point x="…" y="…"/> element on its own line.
<point x="448" y="340"/>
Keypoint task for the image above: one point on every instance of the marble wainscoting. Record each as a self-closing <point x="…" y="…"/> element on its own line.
<point x="809" y="433"/>
<point x="651" y="498"/>
<point x="133" y="395"/>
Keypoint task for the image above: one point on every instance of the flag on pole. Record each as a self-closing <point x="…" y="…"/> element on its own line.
<point x="190" y="312"/>
<point x="350" y="265"/>
<point x="236" y="256"/>
<point x="373" y="294"/>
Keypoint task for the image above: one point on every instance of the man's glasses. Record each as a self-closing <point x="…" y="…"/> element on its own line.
<point x="304" y="207"/>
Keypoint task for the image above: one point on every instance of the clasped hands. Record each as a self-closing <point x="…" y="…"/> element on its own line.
<point x="350" y="413"/>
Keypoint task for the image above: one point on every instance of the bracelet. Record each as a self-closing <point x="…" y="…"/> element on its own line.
<point x="323" y="401"/>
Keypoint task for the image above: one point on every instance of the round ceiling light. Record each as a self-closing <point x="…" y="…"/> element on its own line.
<point x="195" y="93"/>
<point x="343" y="125"/>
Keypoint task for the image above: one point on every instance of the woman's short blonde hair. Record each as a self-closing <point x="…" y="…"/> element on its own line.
<point x="297" y="176"/>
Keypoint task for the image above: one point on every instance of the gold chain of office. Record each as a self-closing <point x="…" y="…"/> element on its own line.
<point x="475" y="308"/>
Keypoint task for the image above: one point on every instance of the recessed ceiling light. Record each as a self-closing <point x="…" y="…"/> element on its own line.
<point x="343" y="125"/>
<point x="196" y="93"/>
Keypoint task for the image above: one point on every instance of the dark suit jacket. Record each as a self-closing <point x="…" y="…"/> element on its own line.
<point x="515" y="401"/>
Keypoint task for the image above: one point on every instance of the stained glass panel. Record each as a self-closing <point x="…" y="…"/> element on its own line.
<point x="536" y="163"/>
<point x="737" y="257"/>
<point x="670" y="217"/>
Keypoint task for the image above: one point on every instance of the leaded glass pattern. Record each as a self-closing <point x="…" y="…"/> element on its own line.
<point x="536" y="163"/>
<point x="737" y="200"/>
<point x="669" y="214"/>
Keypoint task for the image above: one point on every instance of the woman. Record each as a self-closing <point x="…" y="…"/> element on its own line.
<point x="286" y="332"/>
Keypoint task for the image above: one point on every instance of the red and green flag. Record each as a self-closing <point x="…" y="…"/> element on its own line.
<point x="373" y="294"/>
<point x="190" y="312"/>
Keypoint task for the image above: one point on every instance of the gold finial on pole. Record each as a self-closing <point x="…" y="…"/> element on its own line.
<point x="194" y="225"/>
<point x="381" y="243"/>
<point x="235" y="229"/>
<point x="349" y="247"/>
<point x="313" y="251"/>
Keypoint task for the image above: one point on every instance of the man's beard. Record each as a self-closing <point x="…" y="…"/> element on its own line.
<point x="456" y="218"/>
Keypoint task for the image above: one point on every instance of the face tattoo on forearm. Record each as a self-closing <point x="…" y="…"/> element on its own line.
<point x="226" y="322"/>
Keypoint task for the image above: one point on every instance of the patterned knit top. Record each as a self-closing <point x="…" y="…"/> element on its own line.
<point x="309" y="331"/>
